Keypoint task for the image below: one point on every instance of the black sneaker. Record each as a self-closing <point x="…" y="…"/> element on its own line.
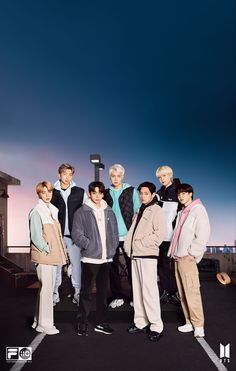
<point x="174" y="299"/>
<point x="165" y="297"/>
<point x="83" y="329"/>
<point x="104" y="328"/>
<point x="154" y="336"/>
<point x="134" y="330"/>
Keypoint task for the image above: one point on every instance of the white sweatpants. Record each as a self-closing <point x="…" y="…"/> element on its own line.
<point x="44" y="307"/>
<point x="146" y="294"/>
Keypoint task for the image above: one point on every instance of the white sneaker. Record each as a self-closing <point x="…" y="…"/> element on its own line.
<point x="76" y="299"/>
<point x="116" y="303"/>
<point x="48" y="331"/>
<point x="56" y="298"/>
<point x="199" y="332"/>
<point x="186" y="328"/>
<point x="131" y="303"/>
<point x="34" y="325"/>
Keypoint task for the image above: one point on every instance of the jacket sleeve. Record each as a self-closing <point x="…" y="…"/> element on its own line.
<point x="77" y="234"/>
<point x="136" y="200"/>
<point x="201" y="236"/>
<point x="36" y="232"/>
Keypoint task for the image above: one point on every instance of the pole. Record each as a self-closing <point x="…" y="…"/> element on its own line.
<point x="96" y="172"/>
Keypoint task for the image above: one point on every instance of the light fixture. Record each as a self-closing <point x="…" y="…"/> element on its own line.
<point x="95" y="159"/>
<point x="223" y="278"/>
<point x="4" y="193"/>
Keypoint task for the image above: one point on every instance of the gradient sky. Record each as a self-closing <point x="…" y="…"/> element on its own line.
<point x="142" y="83"/>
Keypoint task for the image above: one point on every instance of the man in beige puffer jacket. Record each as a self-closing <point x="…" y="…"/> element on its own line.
<point x="142" y="245"/>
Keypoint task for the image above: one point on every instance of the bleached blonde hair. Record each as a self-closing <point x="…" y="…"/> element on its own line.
<point x="117" y="167"/>
<point x="164" y="170"/>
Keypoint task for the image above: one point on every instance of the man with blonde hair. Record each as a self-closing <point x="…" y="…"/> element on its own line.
<point x="168" y="200"/>
<point x="124" y="201"/>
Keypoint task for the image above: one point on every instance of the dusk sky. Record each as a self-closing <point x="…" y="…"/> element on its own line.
<point x="143" y="83"/>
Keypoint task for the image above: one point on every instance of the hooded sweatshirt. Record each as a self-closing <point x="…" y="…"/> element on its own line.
<point x="191" y="233"/>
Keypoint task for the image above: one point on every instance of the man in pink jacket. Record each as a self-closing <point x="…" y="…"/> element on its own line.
<point x="187" y="247"/>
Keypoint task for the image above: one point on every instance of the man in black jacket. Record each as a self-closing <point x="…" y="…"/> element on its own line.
<point x="168" y="200"/>
<point x="67" y="197"/>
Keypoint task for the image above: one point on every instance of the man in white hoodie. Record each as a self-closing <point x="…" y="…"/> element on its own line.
<point x="95" y="231"/>
<point x="67" y="197"/>
<point x="188" y="245"/>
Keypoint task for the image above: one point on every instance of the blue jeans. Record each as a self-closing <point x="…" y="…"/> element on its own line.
<point x="74" y="255"/>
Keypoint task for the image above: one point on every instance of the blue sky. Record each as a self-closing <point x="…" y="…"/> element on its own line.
<point x="141" y="83"/>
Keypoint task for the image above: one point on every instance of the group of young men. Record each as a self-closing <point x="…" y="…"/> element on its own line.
<point x="137" y="223"/>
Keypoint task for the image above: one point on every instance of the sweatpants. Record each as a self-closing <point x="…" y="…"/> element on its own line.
<point x="146" y="294"/>
<point x="44" y="306"/>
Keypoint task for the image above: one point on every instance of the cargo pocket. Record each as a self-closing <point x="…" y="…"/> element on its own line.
<point x="192" y="281"/>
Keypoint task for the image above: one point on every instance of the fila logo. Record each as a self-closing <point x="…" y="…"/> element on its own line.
<point x="225" y="353"/>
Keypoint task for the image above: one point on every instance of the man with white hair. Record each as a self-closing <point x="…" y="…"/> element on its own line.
<point x="124" y="201"/>
<point x="168" y="200"/>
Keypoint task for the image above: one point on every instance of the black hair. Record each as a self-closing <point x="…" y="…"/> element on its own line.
<point x="149" y="185"/>
<point x="184" y="187"/>
<point x="96" y="184"/>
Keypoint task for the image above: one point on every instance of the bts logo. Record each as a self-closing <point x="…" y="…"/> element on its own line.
<point x="18" y="353"/>
<point x="225" y="353"/>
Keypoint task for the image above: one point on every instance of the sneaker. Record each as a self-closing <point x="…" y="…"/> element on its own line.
<point x="116" y="303"/>
<point x="165" y="297"/>
<point x="174" y="299"/>
<point x="83" y="329"/>
<point x="186" y="328"/>
<point x="154" y="336"/>
<point x="199" y="332"/>
<point x="48" y="331"/>
<point x="131" y="303"/>
<point x="76" y="298"/>
<point x="134" y="330"/>
<point x="56" y="298"/>
<point x="104" y="328"/>
<point x="35" y="324"/>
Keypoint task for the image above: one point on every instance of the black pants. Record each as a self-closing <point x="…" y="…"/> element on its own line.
<point x="91" y="273"/>
<point x="166" y="270"/>
<point x="115" y="280"/>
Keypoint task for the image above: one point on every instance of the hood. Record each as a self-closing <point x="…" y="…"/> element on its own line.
<point x="175" y="184"/>
<point x="92" y="205"/>
<point x="192" y="205"/>
<point x="57" y="185"/>
<point x="124" y="186"/>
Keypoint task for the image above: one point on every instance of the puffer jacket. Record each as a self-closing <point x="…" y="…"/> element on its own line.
<point x="148" y="235"/>
<point x="47" y="246"/>
<point x="194" y="235"/>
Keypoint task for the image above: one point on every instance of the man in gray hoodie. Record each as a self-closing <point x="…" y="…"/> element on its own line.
<point x="95" y="231"/>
